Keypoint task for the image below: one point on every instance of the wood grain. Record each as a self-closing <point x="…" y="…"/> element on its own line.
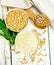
<point x="11" y="58"/>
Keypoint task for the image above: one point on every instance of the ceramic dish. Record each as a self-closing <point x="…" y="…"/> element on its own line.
<point x="21" y="19"/>
<point x="27" y="42"/>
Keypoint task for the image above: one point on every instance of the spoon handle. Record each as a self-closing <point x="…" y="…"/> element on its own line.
<point x="31" y="14"/>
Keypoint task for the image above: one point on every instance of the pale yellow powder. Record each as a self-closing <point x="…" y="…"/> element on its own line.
<point x="26" y="42"/>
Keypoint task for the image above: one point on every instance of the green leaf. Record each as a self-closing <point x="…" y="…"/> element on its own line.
<point x="2" y="25"/>
<point x="9" y="35"/>
<point x="3" y="35"/>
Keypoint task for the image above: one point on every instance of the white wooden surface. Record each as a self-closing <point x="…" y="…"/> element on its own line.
<point x="9" y="58"/>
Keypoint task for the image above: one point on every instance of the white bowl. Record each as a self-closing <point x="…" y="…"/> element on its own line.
<point x="5" y="19"/>
<point x="32" y="46"/>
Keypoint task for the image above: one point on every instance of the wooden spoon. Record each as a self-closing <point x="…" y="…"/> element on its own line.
<point x="40" y="20"/>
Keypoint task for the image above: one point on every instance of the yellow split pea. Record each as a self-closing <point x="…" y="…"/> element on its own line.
<point x="16" y="19"/>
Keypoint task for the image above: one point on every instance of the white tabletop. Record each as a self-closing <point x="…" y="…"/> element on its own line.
<point x="50" y="37"/>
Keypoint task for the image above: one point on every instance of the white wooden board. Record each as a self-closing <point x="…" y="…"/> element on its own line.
<point x="8" y="60"/>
